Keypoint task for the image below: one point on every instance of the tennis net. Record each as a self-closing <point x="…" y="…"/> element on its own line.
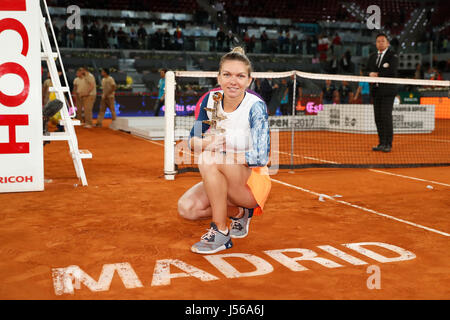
<point x="322" y="120"/>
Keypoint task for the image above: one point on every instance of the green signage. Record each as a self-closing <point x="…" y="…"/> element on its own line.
<point x="409" y="98"/>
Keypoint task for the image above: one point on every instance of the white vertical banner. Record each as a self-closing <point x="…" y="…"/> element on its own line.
<point x="21" y="149"/>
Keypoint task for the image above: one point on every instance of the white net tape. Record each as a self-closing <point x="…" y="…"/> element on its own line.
<point x="321" y="76"/>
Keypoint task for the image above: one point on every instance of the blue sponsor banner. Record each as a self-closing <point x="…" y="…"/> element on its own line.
<point x="142" y="105"/>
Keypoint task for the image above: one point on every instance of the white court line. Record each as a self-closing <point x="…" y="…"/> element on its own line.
<point x="408" y="177"/>
<point x="364" y="209"/>
<point x="310" y="158"/>
<point x="316" y="159"/>
<point x="154" y="142"/>
<point x="440" y="140"/>
<point x="295" y="155"/>
<point x="400" y="136"/>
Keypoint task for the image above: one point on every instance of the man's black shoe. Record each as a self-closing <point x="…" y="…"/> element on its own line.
<point x="386" y="149"/>
<point x="379" y="147"/>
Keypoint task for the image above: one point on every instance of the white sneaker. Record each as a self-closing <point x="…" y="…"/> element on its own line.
<point x="87" y="126"/>
<point x="241" y="226"/>
<point x="113" y="125"/>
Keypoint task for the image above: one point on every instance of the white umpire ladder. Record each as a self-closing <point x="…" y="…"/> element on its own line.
<point x="69" y="131"/>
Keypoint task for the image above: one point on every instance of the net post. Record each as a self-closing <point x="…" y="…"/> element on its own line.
<point x="169" y="135"/>
<point x="292" y="128"/>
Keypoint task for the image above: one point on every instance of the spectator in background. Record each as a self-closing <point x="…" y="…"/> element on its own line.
<point x="328" y="93"/>
<point x="395" y="43"/>
<point x="264" y="39"/>
<point x="345" y="94"/>
<point x="133" y="39"/>
<point x="78" y="87"/>
<point x="156" y="40"/>
<point x="287" y="42"/>
<point x="436" y="75"/>
<point x="220" y="38"/>
<point x="281" y="40"/>
<point x="107" y="101"/>
<point x="294" y="44"/>
<point x="161" y="91"/>
<point x="322" y="47"/>
<point x="93" y="35"/>
<point x="142" y="36"/>
<point x="246" y="39"/>
<point x="346" y="62"/>
<point x="251" y="45"/>
<point x="71" y="39"/>
<point x="179" y="39"/>
<point x="418" y="74"/>
<point x="337" y="45"/>
<point x="284" y="103"/>
<point x="122" y="39"/>
<point x="333" y="65"/>
<point x="112" y="39"/>
<point x="190" y="91"/>
<point x="167" y="45"/>
<point x="428" y="71"/>
<point x="264" y="89"/>
<point x="88" y="95"/>
<point x="229" y="40"/>
<point x="278" y="91"/>
<point x="103" y="36"/>
<point x="363" y="91"/>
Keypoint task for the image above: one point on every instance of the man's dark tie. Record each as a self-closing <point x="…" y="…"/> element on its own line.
<point x="378" y="62"/>
<point x="378" y="59"/>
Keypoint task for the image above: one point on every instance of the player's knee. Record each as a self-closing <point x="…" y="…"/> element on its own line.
<point x="186" y="209"/>
<point x="209" y="161"/>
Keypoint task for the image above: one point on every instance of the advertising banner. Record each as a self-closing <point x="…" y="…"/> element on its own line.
<point x="21" y="147"/>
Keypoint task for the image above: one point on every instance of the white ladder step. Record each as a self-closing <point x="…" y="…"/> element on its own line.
<point x="85" y="154"/>
<point x="56" y="136"/>
<point x="54" y="89"/>
<point x="44" y="55"/>
<point x="75" y="122"/>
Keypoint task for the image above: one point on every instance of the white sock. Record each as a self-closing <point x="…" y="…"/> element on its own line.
<point x="225" y="232"/>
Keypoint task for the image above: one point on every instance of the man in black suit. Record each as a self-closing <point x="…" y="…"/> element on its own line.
<point x="383" y="63"/>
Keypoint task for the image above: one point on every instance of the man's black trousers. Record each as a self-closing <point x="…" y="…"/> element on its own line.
<point x="383" y="105"/>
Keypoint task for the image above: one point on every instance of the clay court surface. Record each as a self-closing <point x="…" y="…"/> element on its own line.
<point x="128" y="215"/>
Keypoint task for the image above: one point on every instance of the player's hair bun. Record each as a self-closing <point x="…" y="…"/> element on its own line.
<point x="239" y="50"/>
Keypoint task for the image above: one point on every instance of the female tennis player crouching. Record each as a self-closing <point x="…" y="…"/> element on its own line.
<point x="232" y="163"/>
